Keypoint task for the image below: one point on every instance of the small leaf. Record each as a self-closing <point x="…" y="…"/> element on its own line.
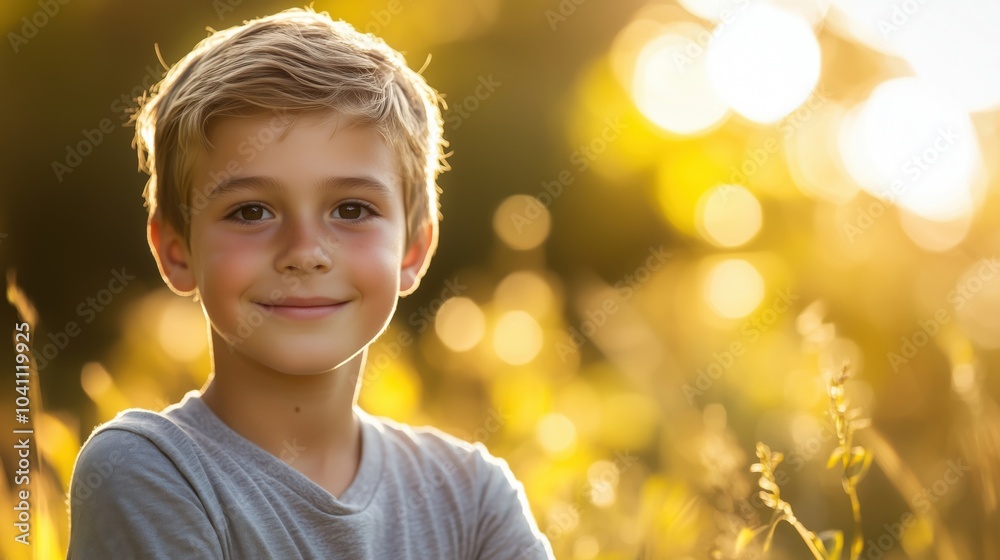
<point x="860" y="467"/>
<point x="858" y="454"/>
<point x="830" y="543"/>
<point x="746" y="536"/>
<point x="837" y="454"/>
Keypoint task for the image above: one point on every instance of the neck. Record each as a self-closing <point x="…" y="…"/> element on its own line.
<point x="305" y="420"/>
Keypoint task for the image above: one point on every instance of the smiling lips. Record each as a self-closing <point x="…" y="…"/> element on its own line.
<point x="303" y="308"/>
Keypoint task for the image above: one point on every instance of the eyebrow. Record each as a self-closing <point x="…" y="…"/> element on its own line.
<point x="263" y="182"/>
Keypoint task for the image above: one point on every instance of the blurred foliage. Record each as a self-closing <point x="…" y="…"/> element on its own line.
<point x="646" y="199"/>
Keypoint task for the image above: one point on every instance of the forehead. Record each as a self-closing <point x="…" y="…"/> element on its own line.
<point x="294" y="148"/>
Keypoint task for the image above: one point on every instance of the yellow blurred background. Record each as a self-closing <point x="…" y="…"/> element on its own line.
<point x="667" y="227"/>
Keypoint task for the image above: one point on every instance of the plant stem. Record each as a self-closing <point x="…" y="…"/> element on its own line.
<point x="858" y="543"/>
<point x="808" y="538"/>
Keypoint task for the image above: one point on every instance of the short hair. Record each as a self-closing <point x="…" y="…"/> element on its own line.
<point x="291" y="62"/>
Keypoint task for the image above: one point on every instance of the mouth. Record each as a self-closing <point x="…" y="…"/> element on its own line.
<point x="302" y="308"/>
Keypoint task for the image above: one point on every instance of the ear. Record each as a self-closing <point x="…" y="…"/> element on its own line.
<point x="417" y="259"/>
<point x="172" y="256"/>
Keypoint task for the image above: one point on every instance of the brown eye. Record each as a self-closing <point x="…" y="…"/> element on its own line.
<point x="350" y="211"/>
<point x="251" y="213"/>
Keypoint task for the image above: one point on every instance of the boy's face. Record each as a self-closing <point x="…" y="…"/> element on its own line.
<point x="297" y="241"/>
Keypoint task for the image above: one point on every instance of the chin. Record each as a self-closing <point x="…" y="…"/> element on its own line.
<point x="303" y="364"/>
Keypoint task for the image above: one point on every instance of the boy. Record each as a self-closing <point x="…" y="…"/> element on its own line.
<point x="293" y="165"/>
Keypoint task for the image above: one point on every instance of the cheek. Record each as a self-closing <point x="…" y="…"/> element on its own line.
<point x="229" y="264"/>
<point x="374" y="261"/>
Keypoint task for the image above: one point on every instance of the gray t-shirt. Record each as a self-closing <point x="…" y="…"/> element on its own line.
<point x="181" y="484"/>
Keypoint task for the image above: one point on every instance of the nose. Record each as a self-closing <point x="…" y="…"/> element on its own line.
<point x="306" y="247"/>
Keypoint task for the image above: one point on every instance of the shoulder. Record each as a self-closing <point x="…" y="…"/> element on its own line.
<point x="132" y="429"/>
<point x="173" y="429"/>
<point x="504" y="525"/>
<point x="448" y="461"/>
<point x="136" y="447"/>
<point x="134" y="491"/>
<point x="431" y="444"/>
<point x="132" y="441"/>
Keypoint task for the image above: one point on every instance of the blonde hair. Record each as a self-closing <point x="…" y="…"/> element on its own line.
<point x="291" y="62"/>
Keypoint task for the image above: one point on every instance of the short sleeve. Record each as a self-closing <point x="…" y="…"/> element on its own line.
<point x="507" y="529"/>
<point x="127" y="499"/>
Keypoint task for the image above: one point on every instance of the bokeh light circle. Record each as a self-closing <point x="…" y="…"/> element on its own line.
<point x="460" y="324"/>
<point x="908" y="145"/>
<point x="556" y="433"/>
<point x="727" y="10"/>
<point x="525" y="290"/>
<point x="729" y="216"/>
<point x="952" y="45"/>
<point x="517" y="338"/>
<point x="765" y="63"/>
<point x="671" y="86"/>
<point x="933" y="235"/>
<point x="734" y="288"/>
<point x="522" y="222"/>
<point x="707" y="9"/>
